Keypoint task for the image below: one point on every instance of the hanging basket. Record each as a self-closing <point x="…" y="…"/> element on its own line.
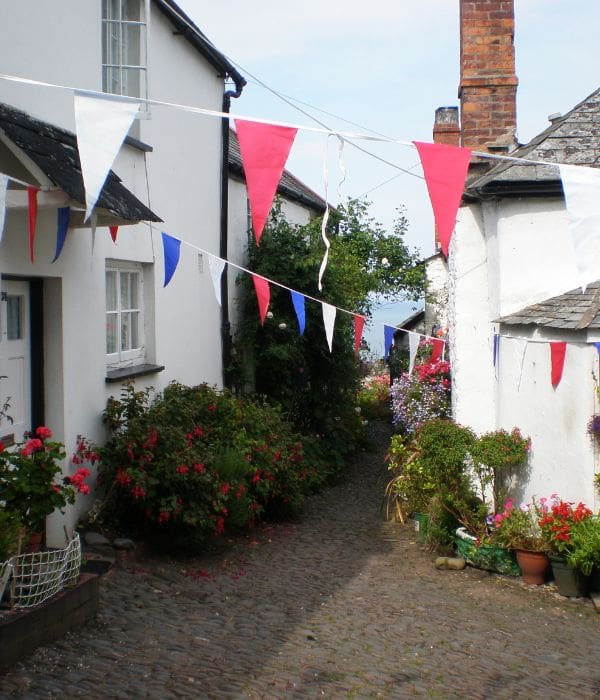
<point x="486" y="556"/>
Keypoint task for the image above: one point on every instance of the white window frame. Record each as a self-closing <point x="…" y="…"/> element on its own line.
<point x="132" y="356"/>
<point x="114" y="40"/>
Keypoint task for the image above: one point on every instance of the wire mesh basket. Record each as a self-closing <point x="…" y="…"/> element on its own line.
<point x="33" y="578"/>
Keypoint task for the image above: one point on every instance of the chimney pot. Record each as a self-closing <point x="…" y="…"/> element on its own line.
<point x="446" y="128"/>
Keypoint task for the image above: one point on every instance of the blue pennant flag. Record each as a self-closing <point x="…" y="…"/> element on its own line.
<point x="64" y="216"/>
<point x="171" y="249"/>
<point x="388" y="332"/>
<point x="597" y="347"/>
<point x="496" y="348"/>
<point x="298" y="302"/>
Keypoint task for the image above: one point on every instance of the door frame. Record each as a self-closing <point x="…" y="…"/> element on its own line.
<point x="36" y="345"/>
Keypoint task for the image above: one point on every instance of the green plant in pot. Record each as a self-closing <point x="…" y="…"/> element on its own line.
<point x="584" y="551"/>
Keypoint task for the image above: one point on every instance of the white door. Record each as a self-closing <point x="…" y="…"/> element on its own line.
<point x="15" y="360"/>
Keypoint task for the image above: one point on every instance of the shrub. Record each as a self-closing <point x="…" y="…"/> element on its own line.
<point x="194" y="462"/>
<point x="374" y="398"/>
<point x="421" y="396"/>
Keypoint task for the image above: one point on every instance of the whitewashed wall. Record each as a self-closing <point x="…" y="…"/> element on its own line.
<point x="506" y="256"/>
<point x="179" y="180"/>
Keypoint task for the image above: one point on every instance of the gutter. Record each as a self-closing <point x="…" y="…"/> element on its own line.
<point x="225" y="324"/>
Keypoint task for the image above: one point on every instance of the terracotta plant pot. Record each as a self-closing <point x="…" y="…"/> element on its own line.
<point x="34" y="543"/>
<point x="533" y="565"/>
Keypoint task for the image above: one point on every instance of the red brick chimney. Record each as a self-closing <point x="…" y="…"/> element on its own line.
<point x="446" y="128"/>
<point x="488" y="84"/>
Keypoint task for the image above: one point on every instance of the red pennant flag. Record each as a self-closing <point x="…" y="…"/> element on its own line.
<point x="33" y="207"/>
<point x="113" y="232"/>
<point x="445" y="169"/>
<point x="264" y="149"/>
<point x="263" y="294"/>
<point x="436" y="352"/>
<point x="359" y="324"/>
<point x="557" y="361"/>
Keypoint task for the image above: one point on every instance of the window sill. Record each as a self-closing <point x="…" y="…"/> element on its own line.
<point x="118" y="375"/>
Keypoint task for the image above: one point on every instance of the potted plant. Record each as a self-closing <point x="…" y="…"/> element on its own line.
<point x="28" y="480"/>
<point x="519" y="528"/>
<point x="584" y="552"/>
<point x="559" y="521"/>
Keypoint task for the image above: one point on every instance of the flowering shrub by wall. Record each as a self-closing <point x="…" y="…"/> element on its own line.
<point x="421" y="396"/>
<point x="374" y="397"/>
<point x="557" y="518"/>
<point x="194" y="462"/>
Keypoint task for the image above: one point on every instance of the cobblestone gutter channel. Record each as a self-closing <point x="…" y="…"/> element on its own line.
<point x="339" y="604"/>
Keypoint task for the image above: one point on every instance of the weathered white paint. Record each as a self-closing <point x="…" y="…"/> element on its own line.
<point x="505" y="256"/>
<point x="179" y="180"/>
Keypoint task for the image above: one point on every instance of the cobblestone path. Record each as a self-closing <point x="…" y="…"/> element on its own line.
<point x="339" y="604"/>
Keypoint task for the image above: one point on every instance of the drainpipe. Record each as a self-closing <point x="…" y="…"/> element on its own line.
<point x="225" y="325"/>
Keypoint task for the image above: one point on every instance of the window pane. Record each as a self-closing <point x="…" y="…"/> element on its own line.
<point x="111" y="333"/>
<point x="135" y="338"/>
<point x="14" y="306"/>
<point x="131" y="10"/>
<point x="131" y="44"/>
<point x="131" y="82"/>
<point x="111" y="291"/>
<point x="125" y="335"/>
<point x="135" y="281"/>
<point x="125" y="291"/>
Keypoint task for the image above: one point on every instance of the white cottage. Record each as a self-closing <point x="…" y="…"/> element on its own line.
<point x="511" y="281"/>
<point x="73" y="329"/>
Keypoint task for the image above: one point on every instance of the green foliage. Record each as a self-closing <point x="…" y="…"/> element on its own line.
<point x="374" y="398"/>
<point x="195" y="462"/>
<point x="9" y="533"/>
<point x="584" y="553"/>
<point x="498" y="457"/>
<point x="315" y="386"/>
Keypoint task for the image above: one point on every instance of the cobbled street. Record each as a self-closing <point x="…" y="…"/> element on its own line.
<point x="339" y="604"/>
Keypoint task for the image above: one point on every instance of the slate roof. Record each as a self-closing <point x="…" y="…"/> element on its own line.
<point x="289" y="185"/>
<point x="573" y="138"/>
<point x="199" y="41"/>
<point x="54" y="151"/>
<point x="574" y="310"/>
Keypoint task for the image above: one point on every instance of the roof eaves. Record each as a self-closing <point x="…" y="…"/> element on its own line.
<point x="200" y="41"/>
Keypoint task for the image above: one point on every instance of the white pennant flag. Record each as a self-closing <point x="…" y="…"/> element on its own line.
<point x="329" y="313"/>
<point x="216" y="267"/>
<point x="413" y="345"/>
<point x="3" y="187"/>
<point x="582" y="198"/>
<point x="101" y="124"/>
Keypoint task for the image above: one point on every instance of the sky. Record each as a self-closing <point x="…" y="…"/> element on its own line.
<point x="385" y="66"/>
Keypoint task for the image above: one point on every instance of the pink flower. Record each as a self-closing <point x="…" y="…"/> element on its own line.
<point x="43" y="432"/>
<point x="32" y="445"/>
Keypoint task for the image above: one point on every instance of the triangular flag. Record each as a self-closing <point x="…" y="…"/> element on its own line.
<point x="263" y="295"/>
<point x="437" y="350"/>
<point x="216" y="267"/>
<point x="298" y="302"/>
<point x="388" y="339"/>
<point x="264" y="149"/>
<point x="557" y="360"/>
<point x="171" y="250"/>
<point x="582" y="198"/>
<point x="101" y="124"/>
<point x="413" y="345"/>
<point x="3" y="188"/>
<point x="359" y="324"/>
<point x="329" y="313"/>
<point x="597" y="347"/>
<point x="63" y="217"/>
<point x="445" y="169"/>
<point x="113" y="232"/>
<point x="32" y="193"/>
<point x="496" y="348"/>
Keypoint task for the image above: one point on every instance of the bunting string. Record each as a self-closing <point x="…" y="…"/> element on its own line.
<point x="348" y="135"/>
